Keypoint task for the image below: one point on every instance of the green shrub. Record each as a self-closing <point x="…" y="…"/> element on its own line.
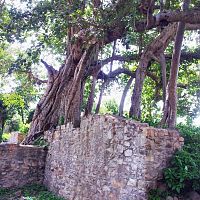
<point x="40" y="141"/>
<point x="111" y="107"/>
<point x="6" y="136"/>
<point x="157" y="194"/>
<point x="29" y="192"/>
<point x="44" y="195"/>
<point x="61" y="120"/>
<point x="14" y="125"/>
<point x="23" y="128"/>
<point x="4" y="191"/>
<point x="184" y="171"/>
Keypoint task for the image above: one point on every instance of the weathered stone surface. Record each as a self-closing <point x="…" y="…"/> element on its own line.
<point x="107" y="158"/>
<point x="20" y="165"/>
<point x="169" y="198"/>
<point x="192" y="196"/>
<point x="128" y="153"/>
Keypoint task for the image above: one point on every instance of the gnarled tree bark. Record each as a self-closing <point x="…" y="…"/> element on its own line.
<point x="170" y="109"/>
<point x="157" y="46"/>
<point x="64" y="88"/>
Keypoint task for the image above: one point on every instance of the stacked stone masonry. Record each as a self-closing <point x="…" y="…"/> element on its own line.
<point x="107" y="158"/>
<point x="21" y="165"/>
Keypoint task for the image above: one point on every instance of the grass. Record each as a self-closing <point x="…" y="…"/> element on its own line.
<point x="29" y="192"/>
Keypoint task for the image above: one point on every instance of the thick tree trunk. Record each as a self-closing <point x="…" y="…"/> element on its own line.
<point x="137" y="92"/>
<point x="63" y="94"/>
<point x="155" y="48"/>
<point x="170" y="109"/>
<point x="121" y="106"/>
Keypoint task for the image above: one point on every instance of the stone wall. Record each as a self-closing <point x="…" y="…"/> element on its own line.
<point x="21" y="165"/>
<point x="108" y="158"/>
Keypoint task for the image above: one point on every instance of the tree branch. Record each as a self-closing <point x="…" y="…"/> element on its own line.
<point x="32" y="77"/>
<point x="115" y="73"/>
<point x="36" y="79"/>
<point x="185" y="56"/>
<point x="50" y="69"/>
<point x="164" y="18"/>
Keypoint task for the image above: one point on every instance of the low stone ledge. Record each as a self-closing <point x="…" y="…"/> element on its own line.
<point x="21" y="165"/>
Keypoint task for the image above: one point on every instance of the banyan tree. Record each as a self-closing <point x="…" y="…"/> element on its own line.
<point x="85" y="28"/>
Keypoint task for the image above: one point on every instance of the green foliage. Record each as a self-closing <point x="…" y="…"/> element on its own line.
<point x="29" y="192"/>
<point x="13" y="124"/>
<point x="110" y="107"/>
<point x="157" y="194"/>
<point x="6" y="136"/>
<point x="5" y="59"/>
<point x="150" y="110"/>
<point x="189" y="98"/>
<point x="86" y="93"/>
<point x="41" y="142"/>
<point x="23" y="128"/>
<point x="4" y="192"/>
<point x="61" y="120"/>
<point x="16" y="104"/>
<point x="13" y="99"/>
<point x="13" y="103"/>
<point x="183" y="173"/>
